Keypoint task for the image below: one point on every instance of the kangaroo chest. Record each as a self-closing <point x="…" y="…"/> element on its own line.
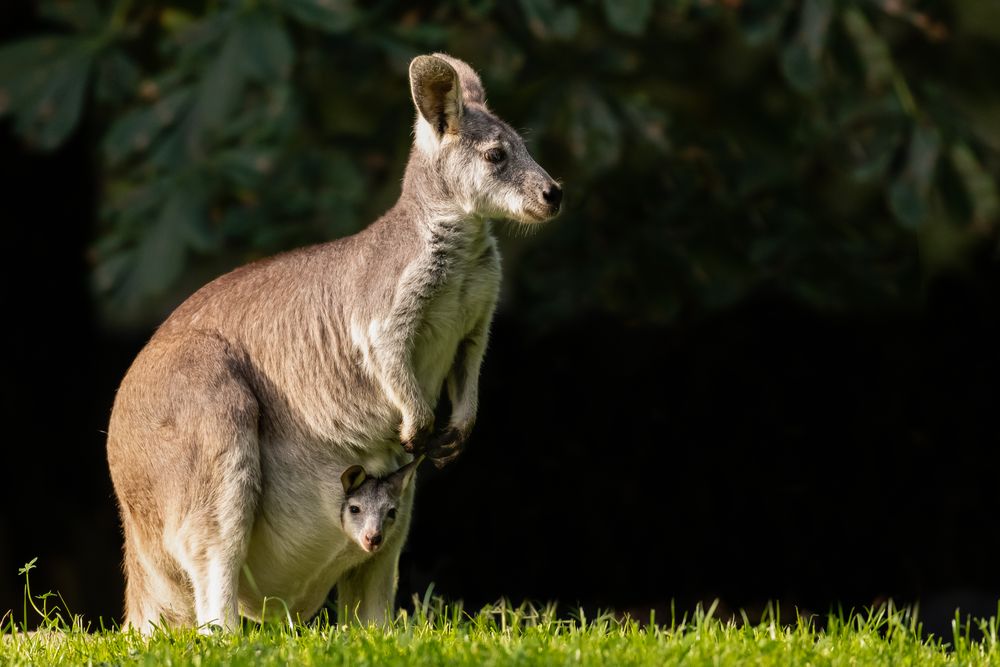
<point x="458" y="303"/>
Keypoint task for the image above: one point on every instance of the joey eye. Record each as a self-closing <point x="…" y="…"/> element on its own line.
<point x="495" y="155"/>
<point x="391" y="513"/>
<point x="354" y="509"/>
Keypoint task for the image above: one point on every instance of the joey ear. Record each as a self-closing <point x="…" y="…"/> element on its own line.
<point x="352" y="478"/>
<point x="437" y="95"/>
<point x="402" y="477"/>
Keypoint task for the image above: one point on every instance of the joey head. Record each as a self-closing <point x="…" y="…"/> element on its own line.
<point x="371" y="504"/>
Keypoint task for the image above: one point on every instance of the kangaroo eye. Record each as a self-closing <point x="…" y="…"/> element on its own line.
<point x="495" y="155"/>
<point x="391" y="513"/>
<point x="354" y="509"/>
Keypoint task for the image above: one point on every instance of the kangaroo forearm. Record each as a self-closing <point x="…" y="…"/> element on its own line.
<point x="390" y="358"/>
<point x="403" y="391"/>
<point x="463" y="380"/>
<point x="463" y="392"/>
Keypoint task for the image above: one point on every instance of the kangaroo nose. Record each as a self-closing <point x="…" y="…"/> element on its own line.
<point x="553" y="195"/>
<point x="374" y="539"/>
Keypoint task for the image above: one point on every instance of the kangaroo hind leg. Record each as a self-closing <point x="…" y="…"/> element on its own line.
<point x="217" y="503"/>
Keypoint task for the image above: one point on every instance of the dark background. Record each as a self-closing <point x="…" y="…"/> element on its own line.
<point x="754" y="360"/>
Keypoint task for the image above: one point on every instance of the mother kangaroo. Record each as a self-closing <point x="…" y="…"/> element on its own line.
<point x="233" y="425"/>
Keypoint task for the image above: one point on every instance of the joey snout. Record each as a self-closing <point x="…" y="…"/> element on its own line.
<point x="372" y="541"/>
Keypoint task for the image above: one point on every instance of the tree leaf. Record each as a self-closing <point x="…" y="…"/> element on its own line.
<point x="50" y="112"/>
<point x="649" y="122"/>
<point x="246" y="166"/>
<point x="110" y="270"/>
<point x="117" y="78"/>
<point x="190" y="213"/>
<point x="547" y="19"/>
<point x="79" y="14"/>
<point x="267" y="50"/>
<point x="336" y="16"/>
<point x="594" y="132"/>
<point x="871" y="48"/>
<point x="219" y="90"/>
<point x="762" y="20"/>
<point x="136" y="130"/>
<point x="175" y="19"/>
<point x="979" y="187"/>
<point x="908" y="193"/>
<point x="801" y="59"/>
<point x="42" y="83"/>
<point x="160" y="256"/>
<point x="628" y="16"/>
<point x="32" y="52"/>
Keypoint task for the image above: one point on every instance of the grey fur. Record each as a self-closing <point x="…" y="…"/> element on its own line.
<point x="233" y="426"/>
<point x="371" y="504"/>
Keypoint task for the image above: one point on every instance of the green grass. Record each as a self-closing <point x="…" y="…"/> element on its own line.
<point x="504" y="635"/>
<point x="437" y="633"/>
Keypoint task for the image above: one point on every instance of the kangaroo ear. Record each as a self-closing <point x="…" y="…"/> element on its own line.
<point x="437" y="95"/>
<point x="352" y="478"/>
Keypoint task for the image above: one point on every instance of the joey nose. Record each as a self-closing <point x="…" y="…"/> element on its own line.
<point x="553" y="195"/>
<point x="373" y="539"/>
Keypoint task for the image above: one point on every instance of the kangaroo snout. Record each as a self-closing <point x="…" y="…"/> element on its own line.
<point x="552" y="196"/>
<point x="542" y="198"/>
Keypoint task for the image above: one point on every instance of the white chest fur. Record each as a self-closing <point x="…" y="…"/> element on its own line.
<point x="465" y="267"/>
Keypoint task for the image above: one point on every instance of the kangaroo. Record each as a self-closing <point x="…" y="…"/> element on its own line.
<point x="233" y="424"/>
<point x="371" y="504"/>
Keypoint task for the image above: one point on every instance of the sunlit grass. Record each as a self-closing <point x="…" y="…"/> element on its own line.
<point x="436" y="632"/>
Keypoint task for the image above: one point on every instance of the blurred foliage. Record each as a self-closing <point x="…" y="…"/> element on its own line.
<point x="836" y="150"/>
